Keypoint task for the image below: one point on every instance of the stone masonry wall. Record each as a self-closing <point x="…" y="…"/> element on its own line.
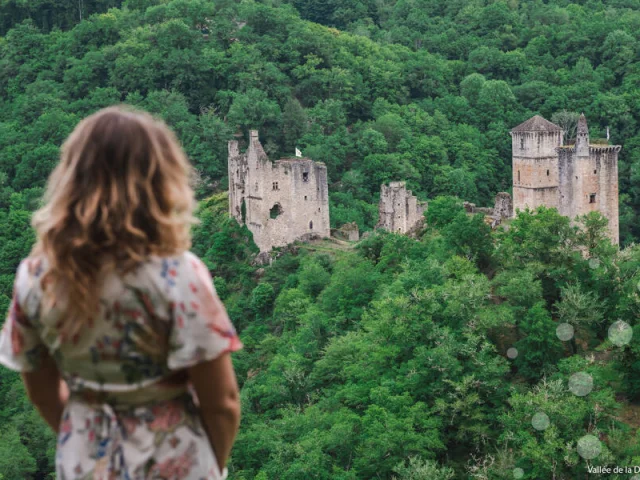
<point x="582" y="177"/>
<point x="535" y="169"/>
<point x="283" y="200"/>
<point x="399" y="211"/>
<point x="575" y="179"/>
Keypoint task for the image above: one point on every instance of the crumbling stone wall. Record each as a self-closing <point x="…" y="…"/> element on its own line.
<point x="502" y="209"/>
<point x="503" y="206"/>
<point x="399" y="210"/>
<point x="349" y="232"/>
<point x="280" y="201"/>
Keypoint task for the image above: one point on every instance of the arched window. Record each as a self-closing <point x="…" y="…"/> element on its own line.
<point x="521" y="143"/>
<point x="311" y="225"/>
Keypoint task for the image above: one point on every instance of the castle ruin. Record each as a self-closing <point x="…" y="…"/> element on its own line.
<point x="502" y="209"/>
<point x="280" y="201"/>
<point x="574" y="179"/>
<point x="399" y="211"/>
<point x="349" y="232"/>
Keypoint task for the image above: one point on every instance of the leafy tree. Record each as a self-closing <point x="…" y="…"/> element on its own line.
<point x="16" y="461"/>
<point x="443" y="210"/>
<point x="539" y="349"/>
<point x="387" y="359"/>
<point x="568" y="121"/>
<point x="418" y="469"/>
<point x="313" y="279"/>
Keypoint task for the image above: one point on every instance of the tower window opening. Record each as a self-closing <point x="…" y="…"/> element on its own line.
<point x="275" y="211"/>
<point x="305" y="176"/>
<point x="522" y="143"/>
<point x="592" y="198"/>
<point x="595" y="172"/>
<point x="318" y="208"/>
<point x="311" y="225"/>
<point x="305" y="197"/>
<point x="275" y="186"/>
<point x="547" y="173"/>
<point x="518" y="176"/>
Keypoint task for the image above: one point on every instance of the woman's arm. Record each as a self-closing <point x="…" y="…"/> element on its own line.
<point x="216" y="387"/>
<point x="47" y="391"/>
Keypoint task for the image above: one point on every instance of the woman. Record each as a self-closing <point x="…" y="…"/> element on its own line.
<point x="115" y="326"/>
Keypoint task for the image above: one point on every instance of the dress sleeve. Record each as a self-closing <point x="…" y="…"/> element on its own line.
<point x="201" y="329"/>
<point x="21" y="348"/>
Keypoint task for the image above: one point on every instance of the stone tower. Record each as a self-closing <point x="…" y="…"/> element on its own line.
<point x="535" y="163"/>
<point x="280" y="201"/>
<point x="575" y="179"/>
<point x="399" y="211"/>
<point x="589" y="179"/>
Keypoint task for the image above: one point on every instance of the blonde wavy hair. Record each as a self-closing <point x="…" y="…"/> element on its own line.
<point x="120" y="193"/>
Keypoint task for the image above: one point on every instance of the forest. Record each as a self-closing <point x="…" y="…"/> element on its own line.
<point x="462" y="353"/>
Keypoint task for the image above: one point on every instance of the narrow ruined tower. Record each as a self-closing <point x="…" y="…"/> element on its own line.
<point x="399" y="210"/>
<point x="589" y="179"/>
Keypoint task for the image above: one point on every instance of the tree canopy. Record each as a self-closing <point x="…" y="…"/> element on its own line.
<point x="407" y="358"/>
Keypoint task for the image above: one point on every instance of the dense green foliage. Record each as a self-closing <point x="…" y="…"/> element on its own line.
<point x="422" y="90"/>
<point x="388" y="360"/>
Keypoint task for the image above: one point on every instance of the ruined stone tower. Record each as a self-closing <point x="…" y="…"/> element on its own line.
<point x="575" y="179"/>
<point x="399" y="211"/>
<point x="280" y="201"/>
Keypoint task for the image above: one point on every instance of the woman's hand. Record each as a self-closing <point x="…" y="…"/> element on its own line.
<point x="47" y="391"/>
<point x="64" y="392"/>
<point x="218" y="399"/>
<point x="194" y="394"/>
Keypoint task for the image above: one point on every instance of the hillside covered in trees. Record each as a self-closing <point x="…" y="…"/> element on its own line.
<point x="390" y="358"/>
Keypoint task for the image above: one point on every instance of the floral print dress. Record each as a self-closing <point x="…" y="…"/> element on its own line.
<point x="130" y="415"/>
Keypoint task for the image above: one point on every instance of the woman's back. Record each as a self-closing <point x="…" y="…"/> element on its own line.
<point x="114" y="324"/>
<point x="127" y="370"/>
